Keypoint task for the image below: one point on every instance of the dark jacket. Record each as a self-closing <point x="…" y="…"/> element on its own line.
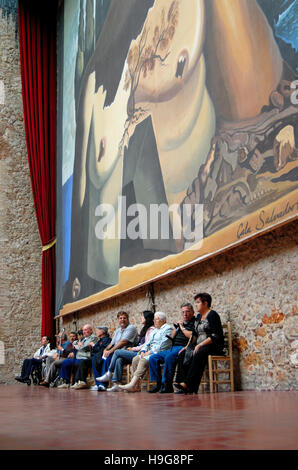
<point x="99" y="348"/>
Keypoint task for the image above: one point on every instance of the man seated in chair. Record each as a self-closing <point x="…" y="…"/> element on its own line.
<point x="95" y="361"/>
<point x="29" y="364"/>
<point x="180" y="336"/>
<point x="61" y="343"/>
<point x="207" y="339"/>
<point x="83" y="352"/>
<point x="126" y="335"/>
<point x="54" y="362"/>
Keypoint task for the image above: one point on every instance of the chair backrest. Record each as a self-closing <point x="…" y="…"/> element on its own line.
<point x="227" y="329"/>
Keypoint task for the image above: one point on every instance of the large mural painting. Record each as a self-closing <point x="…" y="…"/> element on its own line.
<point x="177" y="136"/>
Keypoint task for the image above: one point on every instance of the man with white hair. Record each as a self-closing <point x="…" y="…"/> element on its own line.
<point x="83" y="352"/>
<point x="159" y="341"/>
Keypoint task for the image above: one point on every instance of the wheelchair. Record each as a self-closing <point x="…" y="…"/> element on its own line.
<point x="36" y="374"/>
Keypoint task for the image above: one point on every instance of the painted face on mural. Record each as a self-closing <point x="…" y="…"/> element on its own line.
<point x="173" y="40"/>
<point x="159" y="64"/>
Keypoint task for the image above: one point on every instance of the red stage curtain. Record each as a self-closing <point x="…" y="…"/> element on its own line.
<point x="37" y="40"/>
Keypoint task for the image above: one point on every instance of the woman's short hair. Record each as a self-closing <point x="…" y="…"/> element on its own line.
<point x="160" y="315"/>
<point x="204" y="298"/>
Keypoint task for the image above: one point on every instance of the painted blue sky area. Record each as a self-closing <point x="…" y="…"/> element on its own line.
<point x="66" y="227"/>
<point x="286" y="27"/>
<point x="71" y="22"/>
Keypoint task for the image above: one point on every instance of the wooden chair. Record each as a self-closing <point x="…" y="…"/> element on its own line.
<point x="146" y="378"/>
<point x="212" y="374"/>
<point x="126" y="374"/>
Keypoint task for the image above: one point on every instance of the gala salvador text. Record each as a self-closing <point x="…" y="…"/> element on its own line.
<point x="266" y="218"/>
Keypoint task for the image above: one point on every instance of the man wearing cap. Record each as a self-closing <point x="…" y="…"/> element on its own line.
<point x="95" y="361"/>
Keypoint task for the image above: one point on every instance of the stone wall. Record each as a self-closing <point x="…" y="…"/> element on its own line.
<point x="20" y="249"/>
<point x="253" y="285"/>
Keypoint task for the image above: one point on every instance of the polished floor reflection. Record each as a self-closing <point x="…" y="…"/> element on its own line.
<point x="38" y="418"/>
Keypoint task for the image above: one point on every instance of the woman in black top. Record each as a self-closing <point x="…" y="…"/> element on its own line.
<point x="207" y="339"/>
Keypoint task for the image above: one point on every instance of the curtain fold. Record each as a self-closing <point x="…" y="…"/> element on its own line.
<point x="37" y="41"/>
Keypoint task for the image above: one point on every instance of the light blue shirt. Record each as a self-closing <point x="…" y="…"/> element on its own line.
<point x="158" y="340"/>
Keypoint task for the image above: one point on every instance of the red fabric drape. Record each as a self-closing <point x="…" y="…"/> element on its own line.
<point x="37" y="40"/>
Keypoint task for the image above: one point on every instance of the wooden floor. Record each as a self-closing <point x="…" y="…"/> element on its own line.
<point x="38" y="418"/>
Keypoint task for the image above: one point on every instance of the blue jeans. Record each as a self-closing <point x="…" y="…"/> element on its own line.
<point x="104" y="368"/>
<point x="68" y="366"/>
<point x="168" y="358"/>
<point x="120" y="357"/>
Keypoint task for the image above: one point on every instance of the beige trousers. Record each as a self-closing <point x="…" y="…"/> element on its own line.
<point x="139" y="366"/>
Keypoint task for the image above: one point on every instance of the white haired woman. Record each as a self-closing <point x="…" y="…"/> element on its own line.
<point x="158" y="341"/>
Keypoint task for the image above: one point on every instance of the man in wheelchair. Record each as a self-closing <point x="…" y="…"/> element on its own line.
<point x="33" y="366"/>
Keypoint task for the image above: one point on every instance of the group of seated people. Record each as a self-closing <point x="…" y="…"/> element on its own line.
<point x="182" y="348"/>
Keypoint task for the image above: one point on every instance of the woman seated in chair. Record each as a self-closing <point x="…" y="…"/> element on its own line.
<point x="208" y="339"/>
<point x="160" y="340"/>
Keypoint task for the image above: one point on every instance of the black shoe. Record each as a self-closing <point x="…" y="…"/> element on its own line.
<point x="166" y="388"/>
<point x="154" y="389"/>
<point x="180" y="387"/>
<point x="20" y="379"/>
<point x="180" y="392"/>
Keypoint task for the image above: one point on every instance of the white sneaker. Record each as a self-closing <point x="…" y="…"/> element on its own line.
<point x="81" y="384"/>
<point x="65" y="385"/>
<point x="105" y="378"/>
<point x="114" y="388"/>
<point x="74" y="385"/>
<point x="94" y="388"/>
<point x="97" y="388"/>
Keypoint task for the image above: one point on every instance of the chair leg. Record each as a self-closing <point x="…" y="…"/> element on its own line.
<point x="232" y="376"/>
<point x="128" y="373"/>
<point x="216" y="377"/>
<point x="210" y="374"/>
<point x="147" y="377"/>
